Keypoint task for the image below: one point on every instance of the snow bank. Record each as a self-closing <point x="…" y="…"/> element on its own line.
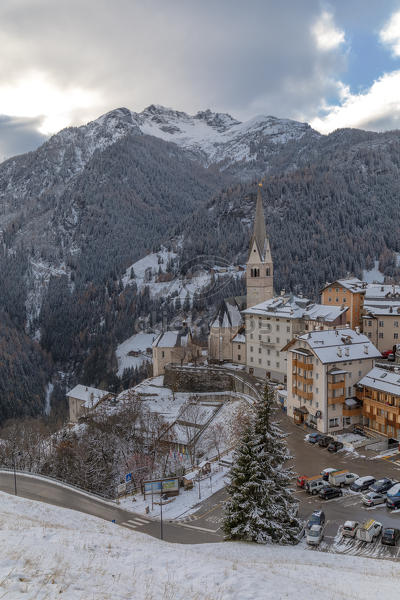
<point x="50" y="552"/>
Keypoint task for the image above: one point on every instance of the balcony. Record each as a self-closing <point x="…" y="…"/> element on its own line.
<point x="336" y="400"/>
<point x="352" y="411"/>
<point x="302" y="393"/>
<point x="336" y="385"/>
<point x="302" y="365"/>
<point x="301" y="379"/>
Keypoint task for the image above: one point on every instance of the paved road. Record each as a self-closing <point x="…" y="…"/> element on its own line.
<point x="51" y="493"/>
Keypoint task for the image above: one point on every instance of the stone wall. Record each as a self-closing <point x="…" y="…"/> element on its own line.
<point x="208" y="379"/>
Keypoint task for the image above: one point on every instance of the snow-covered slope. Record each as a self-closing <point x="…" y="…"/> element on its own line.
<point x="50" y="552"/>
<point x="218" y="137"/>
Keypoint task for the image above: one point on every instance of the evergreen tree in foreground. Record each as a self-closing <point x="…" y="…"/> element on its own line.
<point x="261" y="507"/>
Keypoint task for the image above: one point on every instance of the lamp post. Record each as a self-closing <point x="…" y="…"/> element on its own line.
<point x="15" y="472"/>
<point x="161" y="521"/>
<point x="198" y="479"/>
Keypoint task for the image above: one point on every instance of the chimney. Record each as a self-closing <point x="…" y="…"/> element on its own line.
<point x="358" y="330"/>
<point x="339" y="351"/>
<point x="365" y="348"/>
<point x="347" y="325"/>
<point x="347" y="351"/>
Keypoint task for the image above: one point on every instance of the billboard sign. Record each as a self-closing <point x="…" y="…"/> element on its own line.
<point x="158" y="486"/>
<point x="122" y="488"/>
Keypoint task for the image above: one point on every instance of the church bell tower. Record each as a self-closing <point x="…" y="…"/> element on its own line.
<point x="259" y="269"/>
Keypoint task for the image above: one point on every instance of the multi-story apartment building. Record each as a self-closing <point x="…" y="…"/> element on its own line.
<point x="273" y="323"/>
<point x="346" y="292"/>
<point x="323" y="370"/>
<point x="379" y="392"/>
<point x="381" y="323"/>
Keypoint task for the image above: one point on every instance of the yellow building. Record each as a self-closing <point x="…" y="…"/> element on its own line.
<point x="346" y="292"/>
<point x="379" y="392"/>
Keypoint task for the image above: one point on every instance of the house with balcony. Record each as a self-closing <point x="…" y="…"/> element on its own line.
<point x="379" y="393"/>
<point x="324" y="368"/>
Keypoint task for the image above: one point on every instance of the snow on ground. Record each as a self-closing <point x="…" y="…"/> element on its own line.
<point x="159" y="399"/>
<point x="374" y="275"/>
<point x="50" y="552"/>
<point x="138" y="342"/>
<point x="184" y="504"/>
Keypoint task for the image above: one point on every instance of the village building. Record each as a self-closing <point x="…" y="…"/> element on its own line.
<point x="226" y="341"/>
<point x="272" y="324"/>
<point x="379" y="393"/>
<point x="174" y="347"/>
<point x="381" y="323"/>
<point x="82" y="400"/>
<point x="346" y="292"/>
<point x="324" y="368"/>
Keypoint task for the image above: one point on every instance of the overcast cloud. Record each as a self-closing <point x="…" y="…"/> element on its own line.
<point x="66" y="62"/>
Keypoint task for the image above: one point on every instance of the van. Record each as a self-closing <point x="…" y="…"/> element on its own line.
<point x="369" y="530"/>
<point x="338" y="478"/>
<point x="313" y="487"/>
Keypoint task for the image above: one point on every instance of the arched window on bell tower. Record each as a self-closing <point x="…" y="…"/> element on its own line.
<point x="268" y="272"/>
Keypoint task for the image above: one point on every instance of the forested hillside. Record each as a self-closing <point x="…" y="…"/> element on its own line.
<point x="77" y="212"/>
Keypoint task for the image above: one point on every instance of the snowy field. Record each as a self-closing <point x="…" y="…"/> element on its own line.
<point x="49" y="552"/>
<point x="136" y="343"/>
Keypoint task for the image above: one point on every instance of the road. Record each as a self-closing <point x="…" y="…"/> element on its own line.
<point x="52" y="493"/>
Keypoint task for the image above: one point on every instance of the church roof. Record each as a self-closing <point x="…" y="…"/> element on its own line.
<point x="260" y="233"/>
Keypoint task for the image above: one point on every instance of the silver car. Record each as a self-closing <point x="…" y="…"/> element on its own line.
<point x="373" y="498"/>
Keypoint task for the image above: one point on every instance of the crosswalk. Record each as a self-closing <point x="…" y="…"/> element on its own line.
<point x="135" y="522"/>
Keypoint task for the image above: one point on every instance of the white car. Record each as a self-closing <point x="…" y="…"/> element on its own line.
<point x="350" y="528"/>
<point x="350" y="478"/>
<point x="314" y="535"/>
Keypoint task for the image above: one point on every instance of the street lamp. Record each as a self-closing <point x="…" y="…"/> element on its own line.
<point x="161" y="521"/>
<point x="15" y="473"/>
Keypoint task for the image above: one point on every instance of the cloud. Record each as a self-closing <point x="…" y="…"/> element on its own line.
<point x="327" y="35"/>
<point x="376" y="109"/>
<point x="390" y="34"/>
<point x="18" y="135"/>
<point x="90" y="57"/>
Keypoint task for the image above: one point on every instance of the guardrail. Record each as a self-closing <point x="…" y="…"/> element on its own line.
<point x="57" y="481"/>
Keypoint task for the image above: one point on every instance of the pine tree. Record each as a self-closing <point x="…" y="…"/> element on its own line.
<point x="261" y="507"/>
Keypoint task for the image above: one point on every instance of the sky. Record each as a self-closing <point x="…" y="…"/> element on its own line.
<point x="333" y="64"/>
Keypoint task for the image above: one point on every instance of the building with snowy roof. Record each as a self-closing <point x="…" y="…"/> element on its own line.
<point x="379" y="392"/>
<point x="323" y="369"/>
<point x="174" y="347"/>
<point x="346" y="292"/>
<point x="226" y="340"/>
<point x="381" y="323"/>
<point x="270" y="325"/>
<point x="83" y="399"/>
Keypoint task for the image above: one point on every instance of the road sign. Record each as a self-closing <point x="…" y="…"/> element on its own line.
<point x="128" y="478"/>
<point x="122" y="488"/>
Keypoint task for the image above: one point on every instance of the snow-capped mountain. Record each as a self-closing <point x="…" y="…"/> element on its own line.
<point x="218" y="137"/>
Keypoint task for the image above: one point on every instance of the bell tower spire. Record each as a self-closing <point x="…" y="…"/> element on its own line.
<point x="259" y="269"/>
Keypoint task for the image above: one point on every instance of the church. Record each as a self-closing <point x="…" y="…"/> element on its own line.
<point x="252" y="330"/>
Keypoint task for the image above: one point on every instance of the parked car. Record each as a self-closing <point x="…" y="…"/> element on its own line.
<point x="324" y="441"/>
<point x="317" y="518"/>
<point x="394" y="491"/>
<point x="351" y="478"/>
<point x="386" y="353"/>
<point x="390" y="536"/>
<point x="369" y="530"/>
<point x="326" y="472"/>
<point x="362" y="483"/>
<point x="330" y="492"/>
<point x="342" y="478"/>
<point x="373" y="498"/>
<point x="303" y="480"/>
<point x="393" y="503"/>
<point x="313" y="487"/>
<point x="335" y="446"/>
<point x="314" y="437"/>
<point x="350" y="528"/>
<point x="314" y="535"/>
<point x="382" y="485"/>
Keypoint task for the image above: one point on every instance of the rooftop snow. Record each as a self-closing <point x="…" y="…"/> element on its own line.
<point x="89" y="395"/>
<point x="352" y="345"/>
<point x="382" y="380"/>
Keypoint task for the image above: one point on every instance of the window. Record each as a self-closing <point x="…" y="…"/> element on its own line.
<point x="251" y="349"/>
<point x="277" y="327"/>
<point x="396" y="336"/>
<point x="277" y="353"/>
<point x="381" y="323"/>
<point x="395" y="324"/>
<point x="238" y="346"/>
<point x="251" y="336"/>
<point x="337" y="300"/>
<point x="380" y="335"/>
<point x="162" y="354"/>
<point x="288" y="329"/>
<point x="259" y="338"/>
<point x="268" y="351"/>
<point x="316" y="391"/>
<point x="269" y="363"/>
<point x="259" y="351"/>
<point x="359" y="373"/>
<point x="278" y="340"/>
<point x="259" y="361"/>
<point x="267" y="271"/>
<point x="333" y="422"/>
<point x="239" y="357"/>
<point x="369" y="323"/>
<point x="349" y="391"/>
<point x="346" y="420"/>
<point x="259" y="323"/>
<point x="277" y="365"/>
<point x="330" y="299"/>
<point x="333" y="407"/>
<point x="251" y="359"/>
<point x="344" y="300"/>
<point x="369" y="334"/>
<point x="336" y="289"/>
